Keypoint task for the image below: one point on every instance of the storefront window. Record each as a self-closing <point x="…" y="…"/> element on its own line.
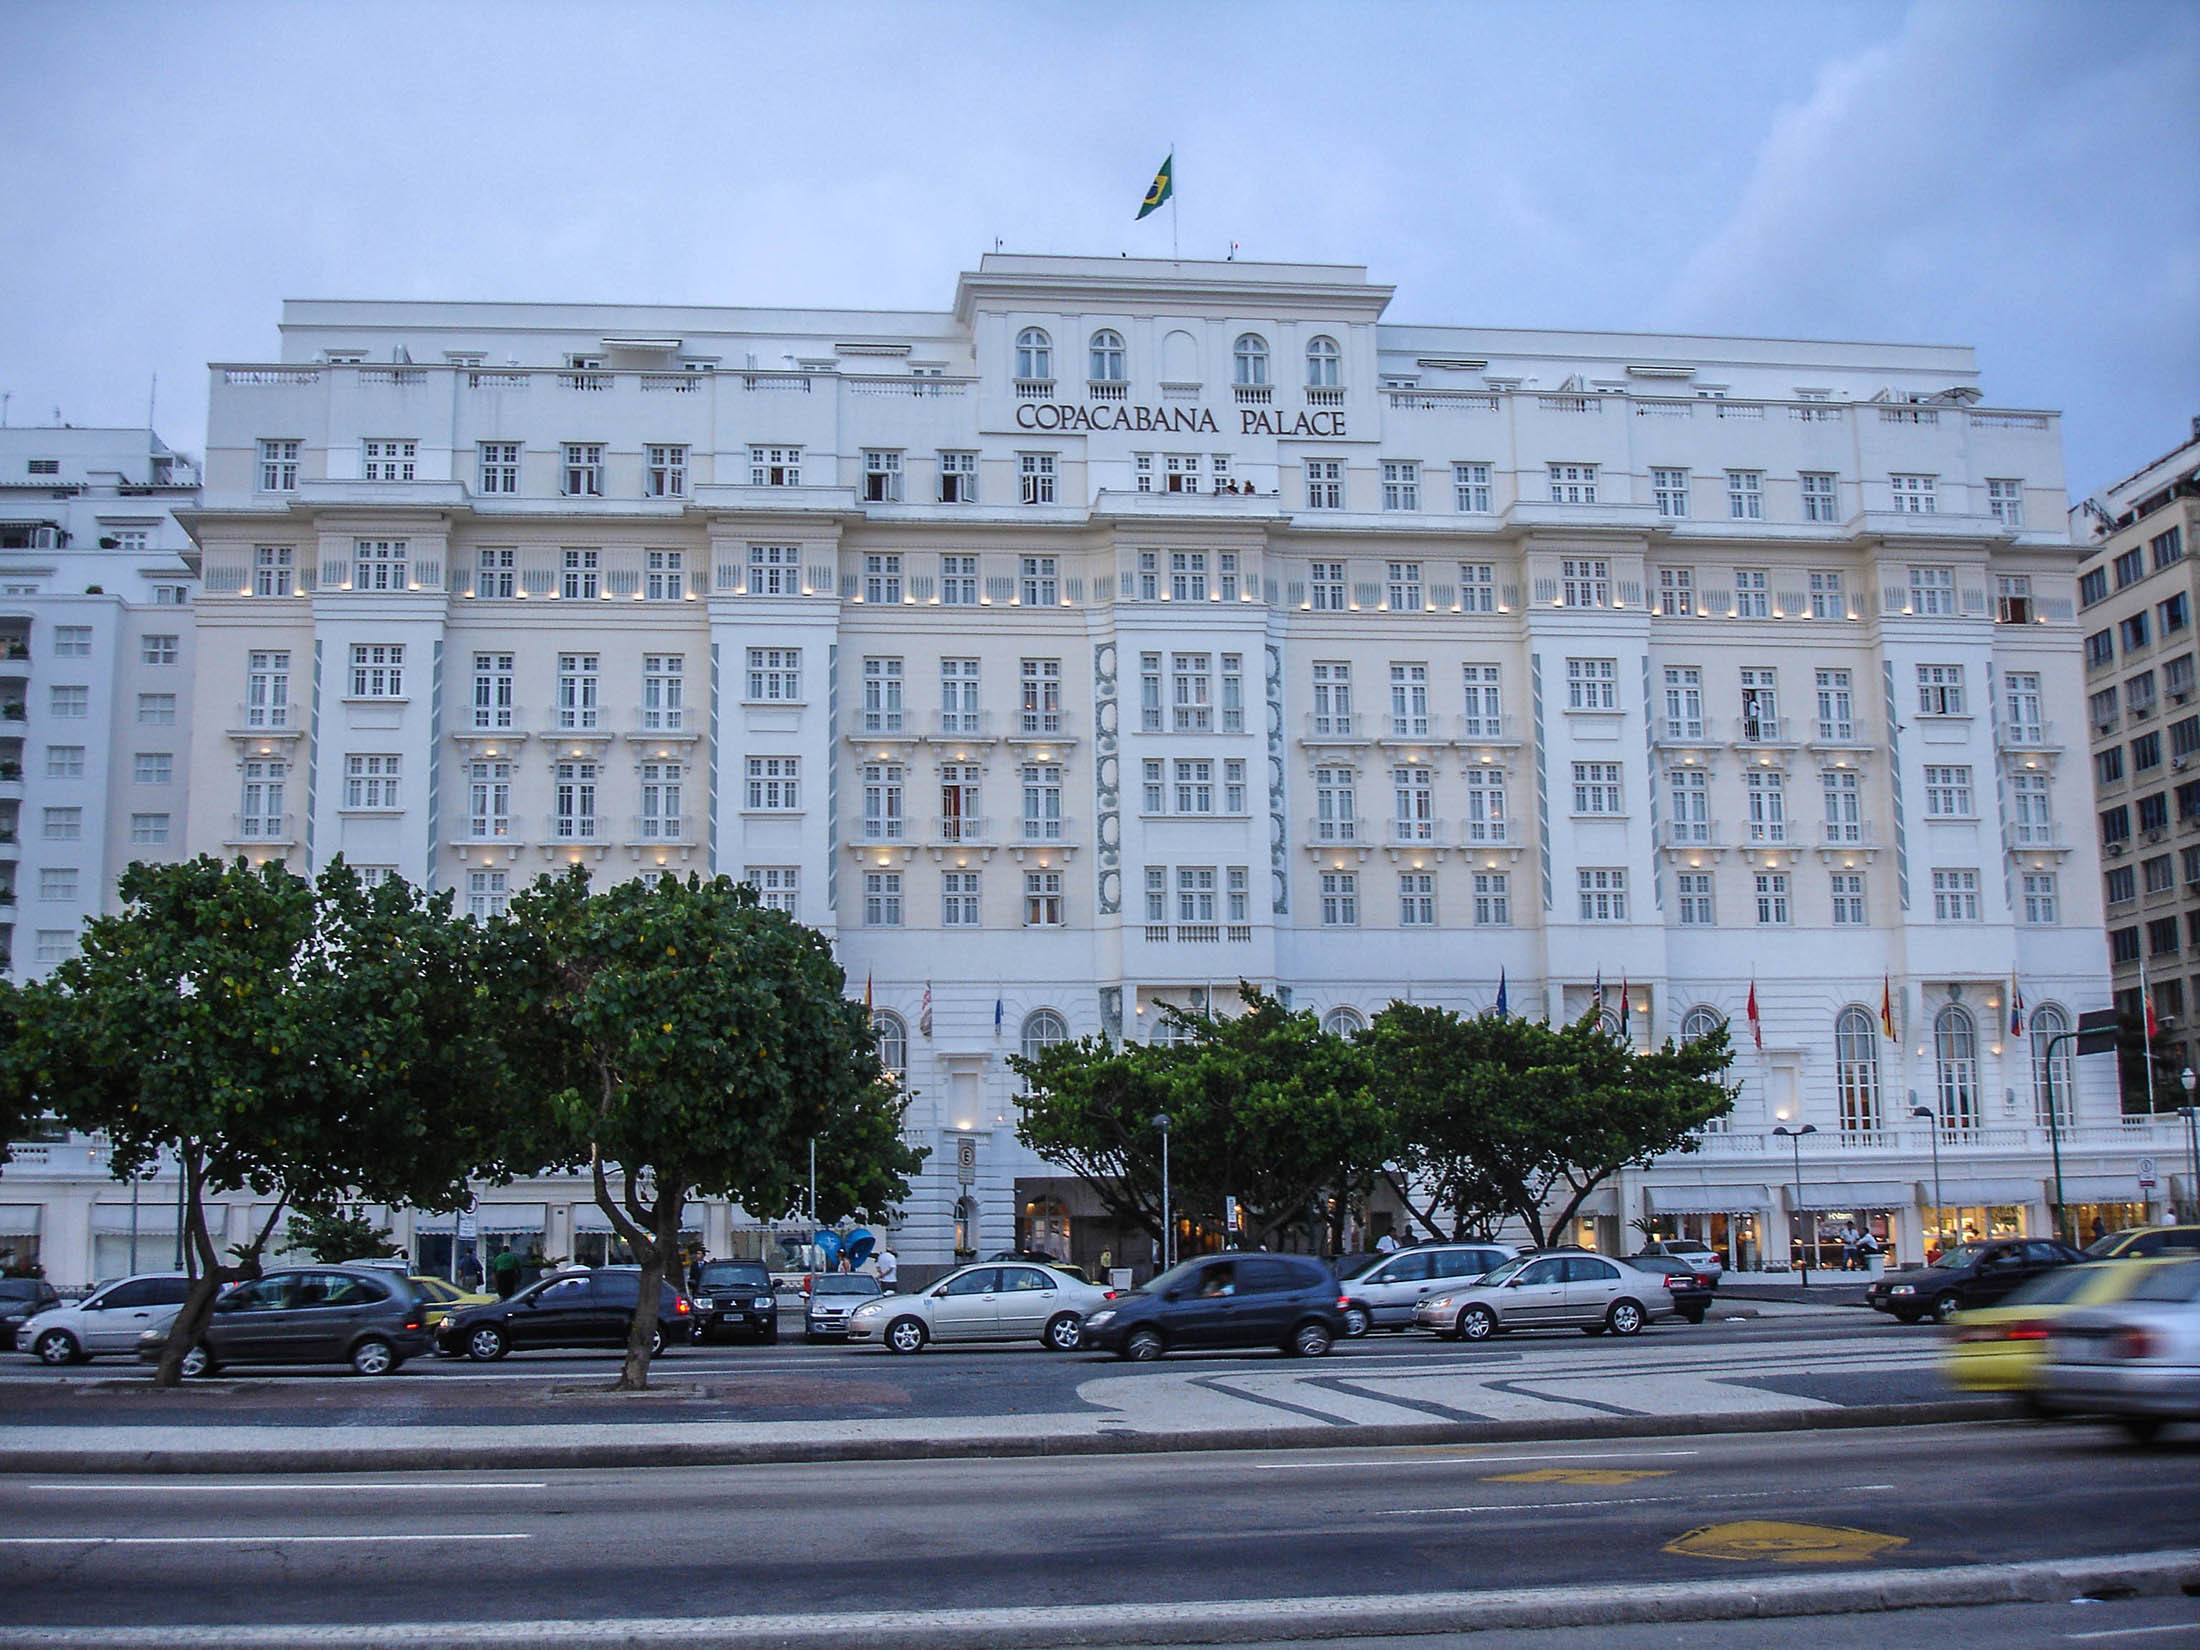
<point x="1836" y="1239"/>
<point x="1945" y="1228"/>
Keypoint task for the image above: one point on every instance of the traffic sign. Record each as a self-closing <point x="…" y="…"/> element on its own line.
<point x="2146" y="1174"/>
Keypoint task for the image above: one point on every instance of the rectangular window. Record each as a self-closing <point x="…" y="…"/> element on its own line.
<point x="488" y="894"/>
<point x="1470" y="489"/>
<point x="1752" y="596"/>
<point x="1695" y="896"/>
<point x="1195" y="786"/>
<point x="278" y="466"/>
<point x="1767" y="794"/>
<point x="1332" y="698"/>
<point x="775" y="675"/>
<point x="1848" y="899"/>
<point x="1157" y="893"/>
<point x="1149" y="575"/>
<point x="1326" y="586"/>
<point x="1573" y="483"/>
<point x="156" y="710"/>
<point x="1913" y="495"/>
<point x="377" y="670"/>
<point x="274" y="569"/>
<point x="2123" y="885"/>
<point x="885" y="786"/>
<point x="55" y="945"/>
<point x="882" y="899"/>
<point x="1592" y="684"/>
<point x="62" y="824"/>
<point x="581" y="575"/>
<point x="959" y="711"/>
<point x="1485" y="706"/>
<point x="882" y="705"/>
<point x="1773" y="908"/>
<point x="774" y="784"/>
<point x="72" y="641"/>
<point x="496" y="575"/>
<point x="664" y="575"/>
<point x="68" y="704"/>
<point x="1586" y="583"/>
<point x="1745" y="495"/>
<point x="498" y="467"/>
<point x="775" y="466"/>
<point x="488" y="801"/>
<point x="2108" y="765"/>
<point x="1403" y="590"/>
<point x="1195" y="893"/>
<point x="1239" y="894"/>
<point x="664" y="692"/>
<point x="390" y="460"/>
<point x="1417" y="899"/>
<point x="574" y="791"/>
<point x="1035" y="471"/>
<point x="1477" y="587"/>
<point x="958" y="478"/>
<point x="959" y="906"/>
<point x="961" y="814"/>
<point x="2013" y="598"/>
<point x="2146" y="752"/>
<point x="2174" y="614"/>
<point x="1690" y="791"/>
<point x="57" y="882"/>
<point x="2100" y="649"/>
<point x="1487" y="818"/>
<point x="882" y="580"/>
<point x="579" y="708"/>
<point x="1039" y="582"/>
<point x="1948" y="793"/>
<point x="2168" y="548"/>
<point x="1413" y="792"/>
<point x="778" y="887"/>
<point x="583" y="470"/>
<point x="1955" y="896"/>
<point x="260" y="816"/>
<point x="64" y="761"/>
<point x="1676" y="592"/>
<point x="2177" y="678"/>
<point x="493" y="698"/>
<point x="1336" y="805"/>
<point x="370" y="781"/>
<point x="1180" y="472"/>
<point x="1042" y="802"/>
<point x="1844" y="798"/>
<point x="2040" y="903"/>
<point x="2133" y="632"/>
<point x="1226" y="575"/>
<point x="1409" y="701"/>
<point x="1041" y="681"/>
<point x="1233" y="786"/>
<point x="2093" y="587"/>
<point x="1401" y="484"/>
<point x="1340" y="899"/>
<point x="380" y="564"/>
<point x="665" y="471"/>
<point x="1669" y="492"/>
<point x="152" y="768"/>
<point x="958" y="581"/>
<point x="1187" y="575"/>
<point x="1602" y="891"/>
<point x="1760" y="707"/>
<point x="775" y="570"/>
<point x="1818" y="497"/>
<point x="1597" y="788"/>
<point x="1836" y="708"/>
<point x="1325" y="484"/>
<point x="2005" y="502"/>
<point x="1940" y="690"/>
<point x="1233" y="692"/>
<point x="1933" y="592"/>
<point x="1493" y="899"/>
<point x="2129" y="568"/>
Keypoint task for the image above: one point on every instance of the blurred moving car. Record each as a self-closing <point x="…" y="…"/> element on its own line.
<point x="1574" y="1290"/>
<point x="831" y="1297"/>
<point x="734" y="1297"/>
<point x="1701" y="1257"/>
<point x="2137" y="1361"/>
<point x="1970" y="1274"/>
<point x="22" y="1299"/>
<point x="2004" y="1348"/>
<point x="986" y="1302"/>
<point x="1292" y="1302"/>
<point x="442" y="1297"/>
<point x="2141" y="1242"/>
<point x="1382" y="1292"/>
<point x="569" y="1309"/>
<point x="109" y="1319"/>
<point x="1691" y="1289"/>
<point x="371" y="1320"/>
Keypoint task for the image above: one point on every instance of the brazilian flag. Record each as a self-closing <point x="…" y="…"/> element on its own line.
<point x="1164" y="185"/>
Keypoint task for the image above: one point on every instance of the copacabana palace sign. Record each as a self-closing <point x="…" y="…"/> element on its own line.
<point x="1058" y="415"/>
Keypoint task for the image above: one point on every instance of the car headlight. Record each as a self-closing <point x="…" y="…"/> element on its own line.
<point x="1439" y="1303"/>
<point x="763" y="1303"/>
<point x="1902" y="1289"/>
<point x="871" y="1310"/>
<point x="703" y="1303"/>
<point x="1103" y="1316"/>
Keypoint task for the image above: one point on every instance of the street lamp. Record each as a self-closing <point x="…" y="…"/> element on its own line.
<point x="1794" y="1138"/>
<point x="1168" y="1230"/>
<point x="2192" y="1138"/>
<point x="1940" y="1210"/>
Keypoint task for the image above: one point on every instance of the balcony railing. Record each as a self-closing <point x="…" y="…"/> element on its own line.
<point x="1041" y="830"/>
<point x="1335" y="725"/>
<point x="263" y="827"/>
<point x="1486" y="833"/>
<point x="1350" y="832"/>
<point x="1418" y="833"/>
<point x="1324" y="397"/>
<point x="1687" y="730"/>
<point x="665" y="828"/>
<point x="578" y="828"/>
<point x="962" y="828"/>
<point x="962" y="724"/>
<point x="1042" y="724"/>
<point x="492" y="828"/>
<point x="1761" y="730"/>
<point x="1486" y="730"/>
<point x="1689" y="833"/>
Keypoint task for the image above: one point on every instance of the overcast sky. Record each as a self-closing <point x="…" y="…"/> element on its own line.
<point x="2021" y="177"/>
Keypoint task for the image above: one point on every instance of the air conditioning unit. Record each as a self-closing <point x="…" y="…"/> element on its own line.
<point x="2103" y="727"/>
<point x="2177" y="763"/>
<point x="2114" y="849"/>
<point x="2180" y="696"/>
<point x="2156" y="834"/>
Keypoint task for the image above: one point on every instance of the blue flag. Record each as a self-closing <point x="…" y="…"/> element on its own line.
<point x="1501" y="999"/>
<point x="997" y="1016"/>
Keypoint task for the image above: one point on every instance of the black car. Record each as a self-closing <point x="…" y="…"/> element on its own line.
<point x="734" y="1297"/>
<point x="370" y="1319"/>
<point x="1692" y="1291"/>
<point x="1970" y="1274"/>
<point x="22" y="1299"/>
<point x="1287" y="1301"/>
<point x="568" y="1309"/>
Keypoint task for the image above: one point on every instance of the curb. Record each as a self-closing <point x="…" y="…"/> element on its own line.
<point x="1226" y="1621"/>
<point x="676" y="1452"/>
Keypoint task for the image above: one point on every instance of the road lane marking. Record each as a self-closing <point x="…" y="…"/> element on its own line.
<point x="297" y="1484"/>
<point x="1758" y="1540"/>
<point x="1577" y="1475"/>
<point x="1474" y="1460"/>
<point x="246" y="1540"/>
<point x="1623" y="1501"/>
<point x="2127" y="1632"/>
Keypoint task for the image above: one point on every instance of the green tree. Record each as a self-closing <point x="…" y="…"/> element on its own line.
<point x="693" y="1044"/>
<point x="18" y="1102"/>
<point x="337" y="1233"/>
<point x="312" y="1043"/>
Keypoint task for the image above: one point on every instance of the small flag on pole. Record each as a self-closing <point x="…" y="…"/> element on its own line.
<point x="1164" y="185"/>
<point x="866" y="994"/>
<point x="1596" y="993"/>
<point x="1886" y="1008"/>
<point x="924" y="1011"/>
<point x="997" y="1012"/>
<point x="1502" y="1009"/>
<point x="1625" y="1008"/>
<point x="1756" y="1025"/>
<point x="2016" y="1008"/>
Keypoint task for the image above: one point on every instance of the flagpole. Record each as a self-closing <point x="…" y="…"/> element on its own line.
<point x="2146" y="1026"/>
<point x="1174" y="255"/>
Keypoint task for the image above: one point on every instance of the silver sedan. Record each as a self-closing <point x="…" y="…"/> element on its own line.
<point x="1004" y="1301"/>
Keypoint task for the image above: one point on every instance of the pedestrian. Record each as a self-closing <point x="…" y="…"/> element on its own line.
<point x="889" y="1269"/>
<point x="504" y="1272"/>
<point x="469" y="1273"/>
<point x="1386" y="1244"/>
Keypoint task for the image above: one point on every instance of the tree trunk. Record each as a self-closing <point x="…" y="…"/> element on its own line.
<point x="659" y="1256"/>
<point x="189" y="1324"/>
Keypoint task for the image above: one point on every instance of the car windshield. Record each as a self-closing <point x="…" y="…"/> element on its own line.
<point x="1963" y="1254"/>
<point x="722" y="1274"/>
<point x="843" y="1284"/>
<point x="2052" y="1288"/>
<point x="28" y="1289"/>
<point x="1504" y="1272"/>
<point x="2107" y="1243"/>
<point x="1361" y="1267"/>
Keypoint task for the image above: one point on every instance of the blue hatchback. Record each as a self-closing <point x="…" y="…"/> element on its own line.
<point x="1291" y="1302"/>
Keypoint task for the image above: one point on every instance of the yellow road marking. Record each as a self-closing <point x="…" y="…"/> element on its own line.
<point x="1755" y="1539"/>
<point x="1574" y="1475"/>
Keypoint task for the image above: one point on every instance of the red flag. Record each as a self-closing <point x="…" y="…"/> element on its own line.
<point x="1886" y="1007"/>
<point x="2154" y="1026"/>
<point x="1756" y="1025"/>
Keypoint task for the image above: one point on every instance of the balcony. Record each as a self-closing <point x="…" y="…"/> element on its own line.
<point x="1763" y="732"/>
<point x="486" y="835"/>
<point x="261" y="830"/>
<point x="1686" y="733"/>
<point x="1487" y="732"/>
<point x="883" y="727"/>
<point x="1406" y="836"/>
<point x="1199" y="933"/>
<point x="1691" y="836"/>
<point x="1324" y="397"/>
<point x="1044" y="839"/>
<point x="1839" y="736"/>
<point x="1844" y="840"/>
<point x="1042" y="727"/>
<point x="2037" y="837"/>
<point x="284" y="721"/>
<point x="956" y="726"/>
<point x="962" y="832"/>
<point x="2021" y="737"/>
<point x="1410" y="730"/>
<point x="1333" y="728"/>
<point x="666" y="723"/>
<point x="1330" y="836"/>
<point x="1254" y="395"/>
<point x="662" y="831"/>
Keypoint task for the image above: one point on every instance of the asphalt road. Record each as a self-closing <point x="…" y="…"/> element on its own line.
<point x="1855" y="1359"/>
<point x="790" y="1541"/>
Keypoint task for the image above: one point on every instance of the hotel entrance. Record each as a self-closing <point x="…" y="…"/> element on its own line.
<point x="1728" y="1218"/>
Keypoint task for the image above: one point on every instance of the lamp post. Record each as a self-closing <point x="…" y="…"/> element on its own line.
<point x="2192" y="1140"/>
<point x="1940" y="1209"/>
<point x="1168" y="1229"/>
<point x="2054" y="1126"/>
<point x="1794" y="1138"/>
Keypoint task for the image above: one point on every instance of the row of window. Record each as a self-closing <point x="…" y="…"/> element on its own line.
<point x="2138" y="699"/>
<point x="2159" y="874"/>
<point x="1106" y="357"/>
<point x="2163" y="550"/>
<point x="74" y="641"/>
<point x="2163" y="939"/>
<point x="2139" y="631"/>
<point x="2151" y="812"/>
<point x="66" y="824"/>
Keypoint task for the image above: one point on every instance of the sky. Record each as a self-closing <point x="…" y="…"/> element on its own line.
<point x="2020" y="177"/>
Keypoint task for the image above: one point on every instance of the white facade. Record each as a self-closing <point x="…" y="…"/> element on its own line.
<point x="1134" y="627"/>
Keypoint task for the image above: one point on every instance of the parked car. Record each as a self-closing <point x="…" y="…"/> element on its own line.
<point x="734" y="1297"/>
<point x="369" y="1319"/>
<point x="2137" y="1361"/>
<point x="22" y="1299"/>
<point x="109" y="1319"/>
<point x="1691" y="1289"/>
<point x="567" y="1309"/>
<point x="442" y="1297"/>
<point x="832" y="1296"/>
<point x="1970" y="1274"/>
<point x="1293" y="1302"/>
<point x="1701" y="1257"/>
<point x="2003" y="1348"/>
<point x="1382" y="1293"/>
<point x="1574" y="1290"/>
<point x="2140" y="1242"/>
<point x="987" y="1302"/>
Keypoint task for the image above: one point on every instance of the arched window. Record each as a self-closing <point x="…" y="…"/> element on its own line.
<point x="1034" y="354"/>
<point x="1043" y="1028"/>
<point x="1324" y="364"/>
<point x="891" y="1033"/>
<point x="1107" y="357"/>
<point x="1251" y="357"/>
<point x="1700" y="1022"/>
<point x="1955" y="1060"/>
<point x="1856" y="1069"/>
<point x="1608" y="1023"/>
<point x="2050" y="1020"/>
<point x="1344" y="1022"/>
<point x="1169" y="1033"/>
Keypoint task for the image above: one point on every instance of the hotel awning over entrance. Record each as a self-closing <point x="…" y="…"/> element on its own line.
<point x="1706" y="1200"/>
<point x="1855" y="1194"/>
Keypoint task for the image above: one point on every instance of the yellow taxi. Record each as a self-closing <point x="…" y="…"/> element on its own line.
<point x="2000" y="1348"/>
<point x="442" y="1298"/>
<point x="2146" y="1242"/>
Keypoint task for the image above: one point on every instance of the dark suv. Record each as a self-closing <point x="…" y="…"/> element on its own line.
<point x="563" y="1310"/>
<point x="1970" y="1274"/>
<point x="734" y="1297"/>
<point x="1287" y="1301"/>
<point x="369" y="1319"/>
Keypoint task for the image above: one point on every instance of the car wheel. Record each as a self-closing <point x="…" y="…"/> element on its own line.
<point x="198" y="1361"/>
<point x="906" y="1335"/>
<point x="1905" y="1317"/>
<point x="1695" y="1314"/>
<point x="1355" y="1322"/>
<point x="1142" y="1346"/>
<point x="657" y="1342"/>
<point x="1625" y="1318"/>
<point x="1065" y="1334"/>
<point x="1947" y="1306"/>
<point x="373" y="1356"/>
<point x="1592" y="1329"/>
<point x="1311" y="1339"/>
<point x="485" y="1344"/>
<point x="57" y="1347"/>
<point x="770" y="1337"/>
<point x="1477" y="1323"/>
<point x="2141" y="1429"/>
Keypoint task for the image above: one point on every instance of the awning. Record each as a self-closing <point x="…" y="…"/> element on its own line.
<point x="1963" y="1194"/>
<point x="1706" y="1200"/>
<point x="511" y="1217"/>
<point x="1603" y="1201"/>
<point x="1855" y="1194"/>
<point x="2103" y="1188"/>
<point x="18" y="1220"/>
<point x="153" y="1215"/>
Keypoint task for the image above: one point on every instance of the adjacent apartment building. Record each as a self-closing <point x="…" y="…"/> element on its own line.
<point x="1128" y="628"/>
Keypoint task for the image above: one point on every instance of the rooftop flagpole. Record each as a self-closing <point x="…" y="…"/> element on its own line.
<point x="1174" y="255"/>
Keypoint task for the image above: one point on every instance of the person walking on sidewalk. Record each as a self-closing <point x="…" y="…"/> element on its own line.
<point x="504" y="1272"/>
<point x="889" y="1269"/>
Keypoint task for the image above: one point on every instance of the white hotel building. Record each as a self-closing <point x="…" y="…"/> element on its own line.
<point x="1132" y="627"/>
